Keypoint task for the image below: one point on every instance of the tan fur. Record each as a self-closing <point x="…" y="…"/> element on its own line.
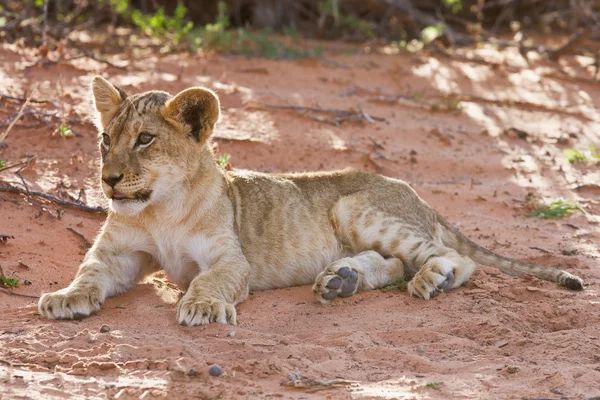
<point x="220" y="234"/>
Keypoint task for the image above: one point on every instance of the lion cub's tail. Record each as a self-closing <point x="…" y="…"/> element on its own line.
<point x="452" y="238"/>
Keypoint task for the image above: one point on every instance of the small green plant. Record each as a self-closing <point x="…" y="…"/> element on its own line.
<point x="65" y="130"/>
<point x="454" y="5"/>
<point x="432" y="32"/>
<point x="2" y="164"/>
<point x="400" y="283"/>
<point x="161" y="25"/>
<point x="8" y="281"/>
<point x="573" y="155"/>
<point x="556" y="209"/>
<point x="223" y="160"/>
<point x="349" y="22"/>
<point x="433" y="385"/>
<point x="217" y="35"/>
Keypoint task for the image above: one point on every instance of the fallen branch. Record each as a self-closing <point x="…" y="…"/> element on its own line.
<point x="18" y="294"/>
<point x="86" y="242"/>
<point x="21" y="164"/>
<point x="46" y="63"/>
<point x="5" y="96"/>
<point x="573" y="41"/>
<point x="79" y="206"/>
<point x="298" y="381"/>
<point x="14" y="121"/>
<point x="339" y="116"/>
<point x="4" y="238"/>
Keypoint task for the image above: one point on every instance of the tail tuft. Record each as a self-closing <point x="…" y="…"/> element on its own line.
<point x="571" y="282"/>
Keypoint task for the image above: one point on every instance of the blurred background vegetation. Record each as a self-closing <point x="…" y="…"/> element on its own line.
<point x="246" y="25"/>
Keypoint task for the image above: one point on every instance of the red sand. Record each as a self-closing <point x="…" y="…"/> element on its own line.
<point x="497" y="337"/>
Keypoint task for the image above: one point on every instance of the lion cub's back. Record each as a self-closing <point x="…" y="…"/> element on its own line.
<point x="284" y="224"/>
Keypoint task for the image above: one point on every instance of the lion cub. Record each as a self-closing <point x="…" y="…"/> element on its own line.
<point x="220" y="234"/>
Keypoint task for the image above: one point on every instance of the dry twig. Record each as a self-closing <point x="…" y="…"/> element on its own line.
<point x="45" y="63"/>
<point x="339" y="116"/>
<point x="4" y="238"/>
<point x="31" y="193"/>
<point x="86" y="243"/>
<point x="18" y="294"/>
<point x="19" y="114"/>
<point x="301" y="382"/>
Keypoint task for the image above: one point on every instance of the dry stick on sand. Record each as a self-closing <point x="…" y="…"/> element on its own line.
<point x="4" y="238"/>
<point x="45" y="63"/>
<point x="79" y="206"/>
<point x="86" y="242"/>
<point x="19" y="114"/>
<point x="301" y="382"/>
<point x="30" y="296"/>
<point x="21" y="164"/>
<point x="31" y="100"/>
<point x="338" y="115"/>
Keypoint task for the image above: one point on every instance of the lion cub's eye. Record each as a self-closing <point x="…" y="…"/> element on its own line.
<point x="106" y="140"/>
<point x="144" y="139"/>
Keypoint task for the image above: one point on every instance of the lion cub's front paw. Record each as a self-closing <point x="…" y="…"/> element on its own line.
<point x="432" y="278"/>
<point x="336" y="280"/>
<point x="202" y="312"/>
<point x="70" y="303"/>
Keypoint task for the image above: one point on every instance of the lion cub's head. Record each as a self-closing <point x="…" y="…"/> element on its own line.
<point x="150" y="141"/>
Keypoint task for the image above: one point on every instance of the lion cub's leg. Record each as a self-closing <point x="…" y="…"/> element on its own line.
<point x="113" y="265"/>
<point x="441" y="272"/>
<point x="365" y="271"/>
<point x="363" y="227"/>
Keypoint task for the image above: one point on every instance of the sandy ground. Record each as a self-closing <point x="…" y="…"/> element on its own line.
<point x="498" y="337"/>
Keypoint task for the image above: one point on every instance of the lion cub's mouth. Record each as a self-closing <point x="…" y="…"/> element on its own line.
<point x="139" y="196"/>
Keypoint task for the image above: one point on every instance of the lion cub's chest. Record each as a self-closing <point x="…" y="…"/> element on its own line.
<point x="181" y="255"/>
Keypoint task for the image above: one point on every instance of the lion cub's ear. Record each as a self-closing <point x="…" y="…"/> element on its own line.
<point x="107" y="99"/>
<point x="195" y="111"/>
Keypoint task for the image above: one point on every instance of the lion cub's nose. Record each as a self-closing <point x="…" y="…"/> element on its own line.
<point x="112" y="180"/>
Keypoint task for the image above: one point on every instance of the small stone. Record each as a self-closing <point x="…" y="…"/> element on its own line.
<point x="215" y="370"/>
<point x="512" y="369"/>
<point x="192" y="372"/>
<point x="104" y="328"/>
<point x="420" y="349"/>
<point x="231" y="334"/>
<point x="533" y="289"/>
<point x="26" y="282"/>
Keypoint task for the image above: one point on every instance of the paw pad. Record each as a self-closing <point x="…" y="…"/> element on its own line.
<point x="334" y="282"/>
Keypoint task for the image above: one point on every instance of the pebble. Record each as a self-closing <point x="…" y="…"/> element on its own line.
<point x="231" y="334"/>
<point x="191" y="372"/>
<point x="104" y="328"/>
<point x="420" y="349"/>
<point x="215" y="370"/>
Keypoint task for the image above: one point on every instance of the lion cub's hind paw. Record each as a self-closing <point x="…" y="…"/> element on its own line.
<point x="430" y="281"/>
<point x="336" y="280"/>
